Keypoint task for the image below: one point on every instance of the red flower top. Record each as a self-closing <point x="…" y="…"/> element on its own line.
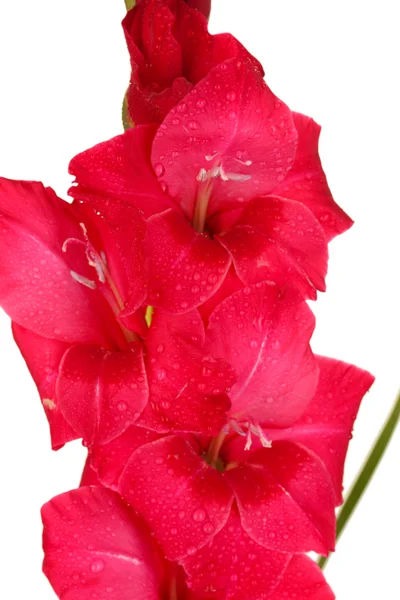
<point x="171" y="50"/>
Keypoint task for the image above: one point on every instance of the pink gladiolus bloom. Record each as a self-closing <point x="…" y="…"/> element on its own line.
<point x="271" y="479"/>
<point x="163" y="317"/>
<point x="230" y="176"/>
<point x="74" y="287"/>
<point x="171" y="50"/>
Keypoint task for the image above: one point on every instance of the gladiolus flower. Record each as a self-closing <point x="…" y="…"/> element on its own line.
<point x="271" y="479"/>
<point x="74" y="286"/>
<point x="239" y="180"/>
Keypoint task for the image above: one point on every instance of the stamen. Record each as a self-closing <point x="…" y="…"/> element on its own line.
<point x="265" y="441"/>
<point x="237" y="177"/>
<point x="251" y="429"/>
<point x="95" y="261"/>
<point x="202" y="176"/>
<point x="83" y="280"/>
<point x="249" y="441"/>
<point x="236" y="427"/>
<point x="219" y="171"/>
<point x="246" y="163"/>
<point x="49" y="403"/>
<point x="69" y="241"/>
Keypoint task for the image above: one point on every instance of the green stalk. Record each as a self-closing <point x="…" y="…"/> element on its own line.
<point x="363" y="479"/>
<point x="129" y="4"/>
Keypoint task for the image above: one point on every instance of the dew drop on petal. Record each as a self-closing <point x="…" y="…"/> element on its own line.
<point x="208" y="528"/>
<point x="159" y="169"/>
<point x="97" y="566"/>
<point x="161" y="374"/>
<point x="199" y="515"/>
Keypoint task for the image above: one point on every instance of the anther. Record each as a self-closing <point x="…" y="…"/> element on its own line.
<point x="83" y="280"/>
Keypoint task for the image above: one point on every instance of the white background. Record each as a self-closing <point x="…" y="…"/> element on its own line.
<point x="63" y="71"/>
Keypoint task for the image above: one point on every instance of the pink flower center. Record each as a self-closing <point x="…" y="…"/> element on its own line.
<point x="206" y="179"/>
<point x="108" y="288"/>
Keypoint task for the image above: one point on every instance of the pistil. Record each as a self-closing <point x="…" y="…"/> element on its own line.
<point x="214" y="449"/>
<point x="201" y="206"/>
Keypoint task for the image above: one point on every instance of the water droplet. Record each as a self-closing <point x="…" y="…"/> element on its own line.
<point x="159" y="169"/>
<point x="199" y="515"/>
<point x="206" y="372"/>
<point x="161" y="374"/>
<point x="208" y="528"/>
<point x="193" y="125"/>
<point x="253" y="343"/>
<point x="201" y="102"/>
<point x="231" y="96"/>
<point x="97" y="566"/>
<point x="160" y="348"/>
<point x="122" y="406"/>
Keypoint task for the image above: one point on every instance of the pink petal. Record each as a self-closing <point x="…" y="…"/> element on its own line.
<point x="156" y="56"/>
<point x="326" y="425"/>
<point x="89" y="475"/>
<point x="203" y="5"/>
<point x="279" y="240"/>
<point x="186" y="268"/>
<point x="120" y="235"/>
<point x="96" y="547"/>
<point x="100" y="393"/>
<point x="120" y="169"/>
<point x="187" y="386"/>
<point x="37" y="289"/>
<point x="202" y="51"/>
<point x="306" y="181"/>
<point x="230" y="119"/>
<point x="148" y="106"/>
<point x="230" y="285"/>
<point x="184" y="500"/>
<point x="43" y="357"/>
<point x="303" y="580"/>
<point x="263" y="331"/>
<point x="235" y="566"/>
<point x="109" y="460"/>
<point x="285" y="499"/>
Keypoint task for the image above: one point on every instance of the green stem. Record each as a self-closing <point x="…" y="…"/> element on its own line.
<point x="129" y="4"/>
<point x="360" y="485"/>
